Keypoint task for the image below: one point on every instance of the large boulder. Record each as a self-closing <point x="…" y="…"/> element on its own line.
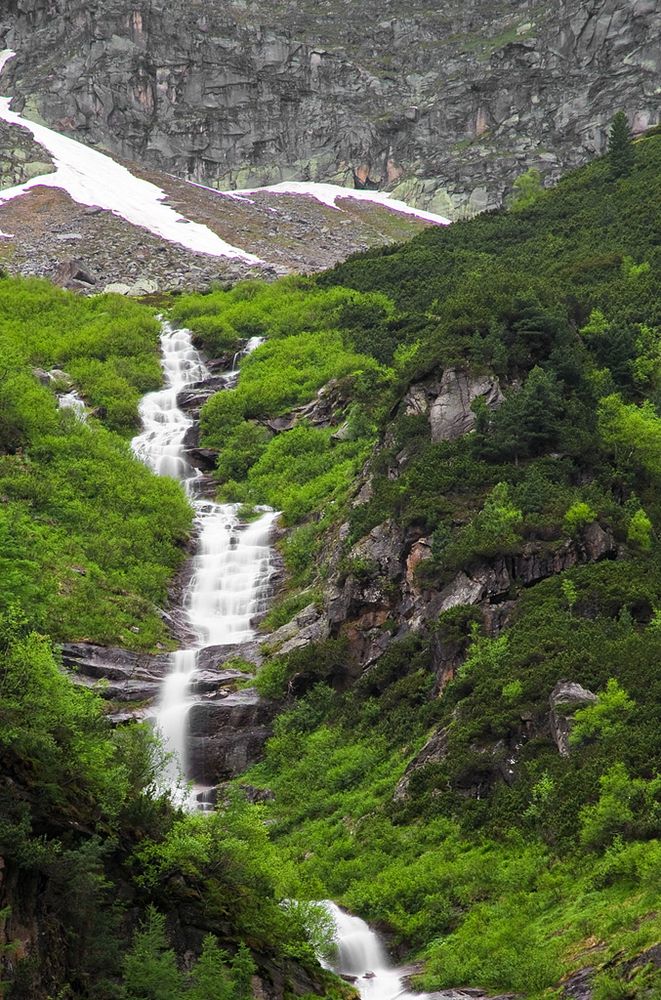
<point x="450" y="414"/>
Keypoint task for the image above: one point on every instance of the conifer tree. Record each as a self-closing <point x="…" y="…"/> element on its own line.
<point x="150" y="968"/>
<point x="210" y="975"/>
<point x="620" y="150"/>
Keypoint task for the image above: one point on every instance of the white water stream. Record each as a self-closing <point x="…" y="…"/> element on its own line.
<point x="228" y="587"/>
<point x="231" y="567"/>
<point x="360" y="954"/>
<point x="72" y="401"/>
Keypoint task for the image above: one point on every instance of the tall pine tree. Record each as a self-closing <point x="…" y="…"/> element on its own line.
<point x="620" y="150"/>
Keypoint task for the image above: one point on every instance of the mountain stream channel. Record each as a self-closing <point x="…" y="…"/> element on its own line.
<point x="228" y="586"/>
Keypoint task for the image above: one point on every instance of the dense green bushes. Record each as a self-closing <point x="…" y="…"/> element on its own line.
<point x="107" y="344"/>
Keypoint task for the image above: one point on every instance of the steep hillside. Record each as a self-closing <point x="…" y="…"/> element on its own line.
<point x="462" y="435"/>
<point x="446" y="104"/>
<point x="467" y="649"/>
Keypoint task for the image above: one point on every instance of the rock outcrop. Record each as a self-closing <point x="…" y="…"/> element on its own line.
<point x="21" y="158"/>
<point x="434" y="751"/>
<point x="450" y="414"/>
<point x="380" y="593"/>
<point x="445" y="105"/>
<point x="227" y="735"/>
<point x="566" y="698"/>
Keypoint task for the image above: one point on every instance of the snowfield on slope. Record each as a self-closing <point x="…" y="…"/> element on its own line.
<point x="92" y="178"/>
<point x="328" y="194"/>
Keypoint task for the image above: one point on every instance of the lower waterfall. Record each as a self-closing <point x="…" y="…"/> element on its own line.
<point x="361" y="957"/>
<point x="231" y="567"/>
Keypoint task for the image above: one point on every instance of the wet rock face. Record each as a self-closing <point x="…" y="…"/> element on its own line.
<point x="227" y="735"/>
<point x="445" y="105"/>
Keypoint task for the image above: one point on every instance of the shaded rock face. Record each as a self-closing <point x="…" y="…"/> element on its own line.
<point x="434" y="751"/>
<point x="566" y="697"/>
<point x="445" y="105"/>
<point x="325" y="410"/>
<point x="383" y="596"/>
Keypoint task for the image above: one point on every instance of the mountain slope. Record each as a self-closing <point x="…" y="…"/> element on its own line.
<point x="85" y="219"/>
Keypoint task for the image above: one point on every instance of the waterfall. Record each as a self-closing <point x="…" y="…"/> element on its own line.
<point x="360" y="954"/>
<point x="231" y="568"/>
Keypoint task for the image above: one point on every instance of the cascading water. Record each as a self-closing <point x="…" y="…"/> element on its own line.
<point x="361" y="954"/>
<point x="72" y="401"/>
<point x="228" y="586"/>
<point x="231" y="568"/>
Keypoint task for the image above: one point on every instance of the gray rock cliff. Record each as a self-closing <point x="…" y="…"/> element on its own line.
<point x="446" y="106"/>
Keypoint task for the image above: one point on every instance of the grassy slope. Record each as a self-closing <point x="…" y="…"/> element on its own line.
<point x="93" y="855"/>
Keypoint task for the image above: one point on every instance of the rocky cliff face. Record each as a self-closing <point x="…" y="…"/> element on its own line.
<point x="445" y="106"/>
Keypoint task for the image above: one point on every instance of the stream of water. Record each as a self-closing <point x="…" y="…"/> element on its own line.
<point x="229" y="585"/>
<point x="230" y="570"/>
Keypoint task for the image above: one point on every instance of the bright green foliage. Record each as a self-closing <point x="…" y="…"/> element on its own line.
<point x="107" y="344"/>
<point x="620" y="151"/>
<point x="627" y="807"/>
<point x="89" y="538"/>
<point x="210" y="978"/>
<point x="278" y="376"/>
<point x="300" y="472"/>
<point x="71" y="747"/>
<point x="578" y="516"/>
<point x="150" y="968"/>
<point x="242" y="446"/>
<point x="512" y="691"/>
<point x="639" y="532"/>
<point x="607" y="717"/>
<point x="495" y="529"/>
<point x="633" y="433"/>
<point x="289" y="307"/>
<point x="569" y="593"/>
<point x="527" y="189"/>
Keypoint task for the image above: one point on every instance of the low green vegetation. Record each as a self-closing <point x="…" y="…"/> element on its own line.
<point x="502" y="863"/>
<point x="90" y="538"/>
<point x="82" y="815"/>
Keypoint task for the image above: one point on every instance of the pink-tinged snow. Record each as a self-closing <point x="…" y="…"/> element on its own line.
<point x="91" y="178"/>
<point x="328" y="194"/>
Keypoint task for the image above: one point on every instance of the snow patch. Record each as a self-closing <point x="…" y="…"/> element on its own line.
<point x="92" y="178"/>
<point x="328" y="194"/>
